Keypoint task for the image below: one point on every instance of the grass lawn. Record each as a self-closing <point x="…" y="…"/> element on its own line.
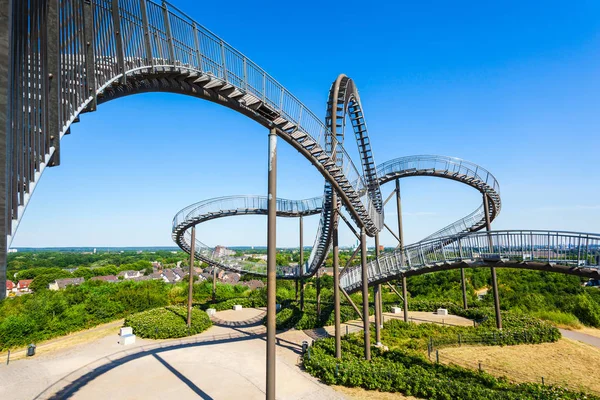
<point x="564" y="362"/>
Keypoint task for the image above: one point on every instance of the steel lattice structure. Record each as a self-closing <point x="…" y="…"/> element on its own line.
<point x="63" y="58"/>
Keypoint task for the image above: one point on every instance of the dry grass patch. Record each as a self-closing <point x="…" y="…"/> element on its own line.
<point x="362" y="394"/>
<point x="70" y="340"/>
<point x="564" y="362"/>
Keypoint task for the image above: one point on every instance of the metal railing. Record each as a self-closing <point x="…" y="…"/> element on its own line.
<point x="571" y="249"/>
<point x="452" y="168"/>
<point x="127" y="37"/>
<point x="240" y="205"/>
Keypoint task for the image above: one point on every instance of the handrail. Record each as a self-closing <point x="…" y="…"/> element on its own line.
<point x="520" y="247"/>
<point x="228" y="206"/>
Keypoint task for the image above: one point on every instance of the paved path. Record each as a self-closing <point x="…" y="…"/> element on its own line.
<point x="582" y="337"/>
<point x="221" y="363"/>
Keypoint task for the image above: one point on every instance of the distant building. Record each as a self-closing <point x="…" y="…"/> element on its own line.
<point x="60" y="284"/>
<point x="105" y="278"/>
<point x="230" y="277"/>
<point x="23" y="285"/>
<point x="222" y="251"/>
<point x="10" y="288"/>
<point x="130" y="274"/>
<point x="12" y="250"/>
<point x="253" y="284"/>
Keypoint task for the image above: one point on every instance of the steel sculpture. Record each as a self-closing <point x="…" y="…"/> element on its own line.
<point x="60" y="59"/>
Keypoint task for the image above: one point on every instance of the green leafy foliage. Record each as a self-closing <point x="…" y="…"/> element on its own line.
<point x="167" y="322"/>
<point x="47" y="314"/>
<point x="409" y="372"/>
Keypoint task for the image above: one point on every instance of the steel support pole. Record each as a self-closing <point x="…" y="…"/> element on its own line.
<point x="377" y="298"/>
<point x="488" y="227"/>
<point x="191" y="277"/>
<point x="271" y="264"/>
<point x="88" y="26"/>
<point x="54" y="77"/>
<point x="119" y="40"/>
<point x="301" y="264"/>
<point x="336" y="280"/>
<point x="365" y="293"/>
<point x="214" y="293"/>
<point x="5" y="131"/>
<point x="318" y="276"/>
<point x="400" y="230"/>
<point x="464" y="288"/>
<point x="405" y="298"/>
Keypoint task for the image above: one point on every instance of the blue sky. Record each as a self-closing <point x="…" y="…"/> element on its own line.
<point x="512" y="86"/>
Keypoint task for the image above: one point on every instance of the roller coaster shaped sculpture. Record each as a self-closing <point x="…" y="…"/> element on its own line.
<point x="61" y="59"/>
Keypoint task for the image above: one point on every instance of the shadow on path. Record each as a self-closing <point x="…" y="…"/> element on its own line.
<point x="66" y="388"/>
<point x="183" y="378"/>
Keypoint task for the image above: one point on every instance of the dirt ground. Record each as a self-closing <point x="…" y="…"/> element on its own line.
<point x="567" y="362"/>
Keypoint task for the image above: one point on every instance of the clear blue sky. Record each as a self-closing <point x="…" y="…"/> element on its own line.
<point x="513" y="86"/>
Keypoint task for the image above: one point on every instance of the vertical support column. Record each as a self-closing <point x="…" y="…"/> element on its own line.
<point x="336" y="280"/>
<point x="365" y="293"/>
<point x="464" y="288"/>
<point x="318" y="276"/>
<point x="301" y="263"/>
<point x="405" y="297"/>
<point x="377" y="298"/>
<point x="400" y="230"/>
<point x="119" y="40"/>
<point x="488" y="227"/>
<point x="169" y="33"/>
<point x="146" y="28"/>
<point x="90" y="70"/>
<point x="271" y="263"/>
<point x="401" y="237"/>
<point x="53" y="64"/>
<point x="214" y="292"/>
<point x="191" y="278"/>
<point x="5" y="131"/>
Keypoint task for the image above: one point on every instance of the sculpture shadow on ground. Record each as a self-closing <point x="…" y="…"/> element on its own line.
<point x="71" y="387"/>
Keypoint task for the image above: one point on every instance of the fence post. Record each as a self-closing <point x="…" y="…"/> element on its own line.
<point x="543" y="383"/>
<point x="459" y="341"/>
<point x="437" y="356"/>
<point x="429" y="350"/>
<point x="480" y="369"/>
<point x="8" y="357"/>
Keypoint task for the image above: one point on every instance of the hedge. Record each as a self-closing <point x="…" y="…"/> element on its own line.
<point x="413" y="375"/>
<point x="167" y="322"/>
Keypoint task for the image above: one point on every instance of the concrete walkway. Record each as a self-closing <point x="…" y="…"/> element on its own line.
<point x="223" y="362"/>
<point x="582" y="337"/>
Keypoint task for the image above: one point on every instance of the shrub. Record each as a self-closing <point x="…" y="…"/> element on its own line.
<point x="410" y="373"/>
<point x="167" y="322"/>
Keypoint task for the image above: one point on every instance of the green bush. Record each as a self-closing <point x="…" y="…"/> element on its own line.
<point x="48" y="314"/>
<point x="412" y="374"/>
<point x="167" y="322"/>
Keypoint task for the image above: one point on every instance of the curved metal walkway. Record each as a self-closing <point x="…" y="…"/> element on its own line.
<point x="555" y="251"/>
<point x="449" y="168"/>
<point x="234" y="206"/>
<point x="137" y="47"/>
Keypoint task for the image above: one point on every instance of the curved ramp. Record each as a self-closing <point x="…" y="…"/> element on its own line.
<point x="448" y="168"/>
<point x="139" y="47"/>
<point x="229" y="206"/>
<point x="556" y="251"/>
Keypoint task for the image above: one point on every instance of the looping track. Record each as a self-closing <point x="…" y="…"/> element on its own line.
<point x="67" y="57"/>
